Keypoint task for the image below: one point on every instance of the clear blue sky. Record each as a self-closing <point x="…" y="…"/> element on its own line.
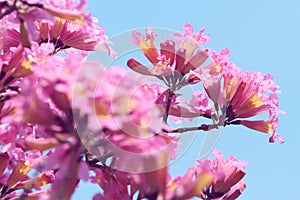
<point x="262" y="36"/>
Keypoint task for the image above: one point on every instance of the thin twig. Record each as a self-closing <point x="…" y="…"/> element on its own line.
<point x="7" y="12"/>
<point x="203" y="127"/>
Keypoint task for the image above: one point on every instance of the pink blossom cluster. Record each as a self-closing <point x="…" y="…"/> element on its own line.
<point x="64" y="119"/>
<point x="210" y="179"/>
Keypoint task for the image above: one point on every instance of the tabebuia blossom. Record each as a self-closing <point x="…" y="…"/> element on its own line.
<point x="14" y="174"/>
<point x="171" y="63"/>
<point x="175" y="58"/>
<point x="227" y="177"/>
<point x="210" y="179"/>
<point x="63" y="23"/>
<point x="230" y="97"/>
<point x="238" y="95"/>
<point x="64" y="119"/>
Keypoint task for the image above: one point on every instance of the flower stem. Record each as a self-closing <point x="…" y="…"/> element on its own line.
<point x="203" y="127"/>
<point x="170" y="95"/>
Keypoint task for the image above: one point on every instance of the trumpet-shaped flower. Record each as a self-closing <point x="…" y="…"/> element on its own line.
<point x="227" y="177"/>
<point x="173" y="59"/>
<point x="63" y="24"/>
<point x="239" y="95"/>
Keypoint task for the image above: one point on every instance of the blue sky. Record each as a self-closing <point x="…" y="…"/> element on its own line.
<point x="262" y="36"/>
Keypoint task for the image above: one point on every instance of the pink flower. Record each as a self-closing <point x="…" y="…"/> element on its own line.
<point x="113" y="183"/>
<point x="74" y="28"/>
<point x="226" y="175"/>
<point x="65" y="34"/>
<point x="180" y="108"/>
<point x="12" y="39"/>
<point x="199" y="36"/>
<point x="181" y="59"/>
<point x="200" y="103"/>
<point x="15" y="64"/>
<point x="192" y="184"/>
<point x="152" y="183"/>
<point x="66" y="161"/>
<point x="124" y="101"/>
<point x="144" y="143"/>
<point x="43" y="179"/>
<point x="20" y="164"/>
<point x="63" y="24"/>
<point x="25" y="15"/>
<point x="238" y="95"/>
<point x="39" y="85"/>
<point x="146" y="44"/>
<point x="191" y="40"/>
<point x="18" y="173"/>
<point x="34" y="109"/>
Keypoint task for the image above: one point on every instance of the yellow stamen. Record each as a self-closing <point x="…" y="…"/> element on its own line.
<point x="256" y="101"/>
<point x="25" y="68"/>
<point x="173" y="185"/>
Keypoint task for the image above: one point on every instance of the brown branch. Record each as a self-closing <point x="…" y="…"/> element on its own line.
<point x="7" y="12"/>
<point x="203" y="127"/>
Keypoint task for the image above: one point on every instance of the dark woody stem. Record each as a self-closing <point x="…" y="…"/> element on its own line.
<point x="11" y="8"/>
<point x="170" y="96"/>
<point x="203" y="127"/>
<point x="7" y="12"/>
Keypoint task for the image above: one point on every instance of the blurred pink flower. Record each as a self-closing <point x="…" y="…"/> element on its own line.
<point x="43" y="179"/>
<point x="67" y="164"/>
<point x="113" y="183"/>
